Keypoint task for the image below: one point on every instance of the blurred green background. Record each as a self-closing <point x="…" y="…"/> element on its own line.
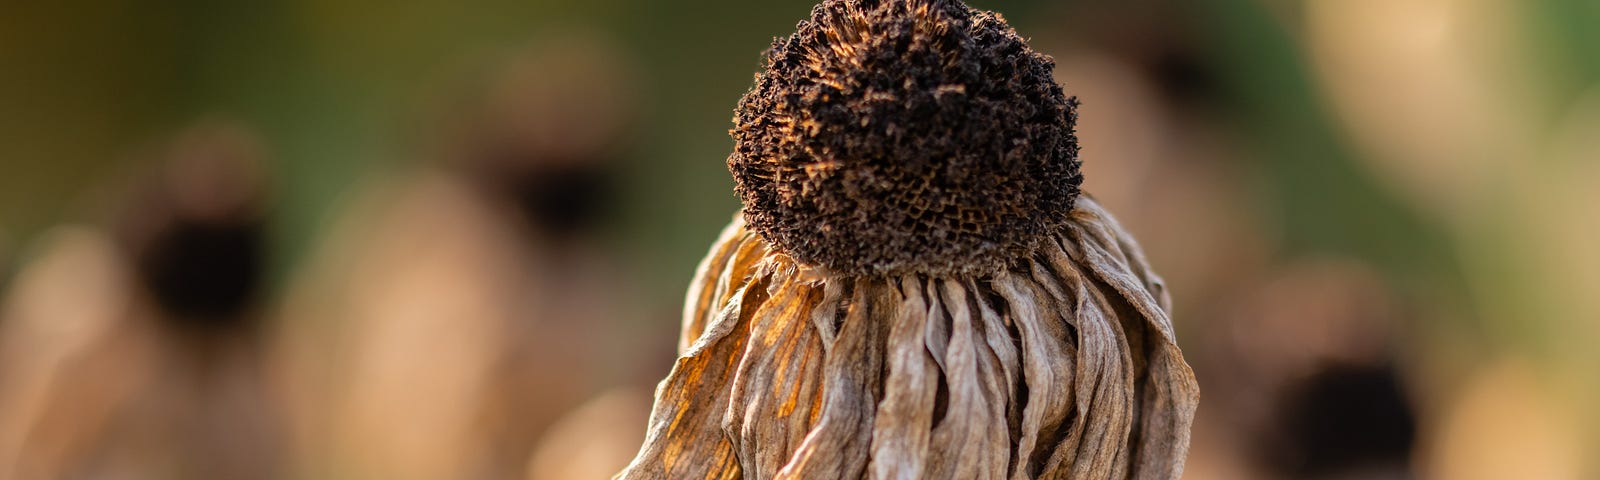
<point x="1402" y="192"/>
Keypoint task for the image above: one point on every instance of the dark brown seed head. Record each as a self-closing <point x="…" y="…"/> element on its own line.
<point x="905" y="136"/>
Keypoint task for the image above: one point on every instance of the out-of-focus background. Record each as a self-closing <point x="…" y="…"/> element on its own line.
<point x="344" y="239"/>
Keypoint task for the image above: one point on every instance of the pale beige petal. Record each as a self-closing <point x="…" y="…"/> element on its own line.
<point x="1064" y="367"/>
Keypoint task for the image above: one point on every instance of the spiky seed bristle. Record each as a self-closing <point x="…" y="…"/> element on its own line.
<point x="905" y="136"/>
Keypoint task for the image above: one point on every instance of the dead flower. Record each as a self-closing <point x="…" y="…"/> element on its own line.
<point x="915" y="288"/>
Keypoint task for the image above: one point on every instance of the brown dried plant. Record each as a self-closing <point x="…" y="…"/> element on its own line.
<point x="920" y="291"/>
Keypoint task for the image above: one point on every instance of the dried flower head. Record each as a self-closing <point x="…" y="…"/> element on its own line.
<point x="198" y="230"/>
<point x="914" y="288"/>
<point x="905" y="136"/>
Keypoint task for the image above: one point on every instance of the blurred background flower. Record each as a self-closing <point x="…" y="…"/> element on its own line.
<point x="449" y="239"/>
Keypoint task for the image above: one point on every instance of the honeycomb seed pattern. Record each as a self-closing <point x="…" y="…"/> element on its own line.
<point x="905" y="136"/>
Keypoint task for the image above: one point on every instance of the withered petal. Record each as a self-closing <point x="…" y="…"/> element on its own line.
<point x="1062" y="367"/>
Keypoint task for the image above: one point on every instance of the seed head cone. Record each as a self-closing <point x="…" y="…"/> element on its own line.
<point x="924" y="297"/>
<point x="905" y="136"/>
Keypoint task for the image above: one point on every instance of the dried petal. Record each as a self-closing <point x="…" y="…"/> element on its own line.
<point x="1063" y="366"/>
